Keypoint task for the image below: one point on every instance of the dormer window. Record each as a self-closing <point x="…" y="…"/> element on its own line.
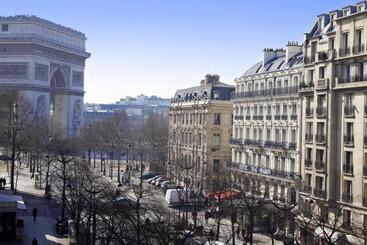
<point x="320" y="22"/>
<point x="346" y="12"/>
<point x="360" y="8"/>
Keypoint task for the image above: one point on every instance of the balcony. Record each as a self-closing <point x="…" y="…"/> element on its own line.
<point x="348" y="139"/>
<point x="365" y="171"/>
<point x="347" y="197"/>
<point x="294" y="116"/>
<point x="309" y="59"/>
<point x="365" y="141"/>
<point x="261" y="170"/>
<point x="322" y="56"/>
<point x="320" y="138"/>
<point x="309" y="112"/>
<point x="348" y="168"/>
<point x="284" y="117"/>
<point x="364" y="201"/>
<point x="318" y="192"/>
<point x="292" y="146"/>
<point x="238" y="117"/>
<point x="322" y="83"/>
<point x="308" y="163"/>
<point x="320" y="111"/>
<point x="349" y="110"/>
<point x="248" y="117"/>
<point x="266" y="92"/>
<point x="306" y="188"/>
<point x="268" y="117"/>
<point x="358" y="49"/>
<point x="344" y="51"/>
<point x="320" y="165"/>
<point x="309" y="137"/>
<point x="277" y="117"/>
<point x="352" y="79"/>
<point x="236" y="141"/>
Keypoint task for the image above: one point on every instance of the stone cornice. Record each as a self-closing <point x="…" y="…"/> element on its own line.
<point x="37" y="20"/>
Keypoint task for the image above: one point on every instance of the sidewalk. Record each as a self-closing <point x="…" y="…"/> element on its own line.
<point x="43" y="229"/>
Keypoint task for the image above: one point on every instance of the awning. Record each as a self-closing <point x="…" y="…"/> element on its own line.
<point x="224" y="195"/>
<point x="5" y="198"/>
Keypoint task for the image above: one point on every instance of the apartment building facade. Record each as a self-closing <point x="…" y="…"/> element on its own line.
<point x="200" y="126"/>
<point x="334" y="123"/>
<point x="265" y="157"/>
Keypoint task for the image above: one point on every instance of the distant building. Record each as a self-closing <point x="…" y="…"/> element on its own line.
<point x="200" y="125"/>
<point x="139" y="108"/>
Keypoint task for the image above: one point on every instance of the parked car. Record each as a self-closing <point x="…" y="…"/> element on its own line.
<point x="147" y="175"/>
<point x="157" y="179"/>
<point x="153" y="179"/>
<point x="164" y="183"/>
<point x="160" y="181"/>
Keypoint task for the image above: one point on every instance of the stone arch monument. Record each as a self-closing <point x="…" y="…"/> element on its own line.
<point x="45" y="61"/>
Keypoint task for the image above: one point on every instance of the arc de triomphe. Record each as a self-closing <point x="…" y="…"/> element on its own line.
<point x="45" y="61"/>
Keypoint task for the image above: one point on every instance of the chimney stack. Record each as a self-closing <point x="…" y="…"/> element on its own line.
<point x="270" y="54"/>
<point x="292" y="49"/>
<point x="210" y="79"/>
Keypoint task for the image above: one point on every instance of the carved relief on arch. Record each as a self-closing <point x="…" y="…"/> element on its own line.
<point x="77" y="115"/>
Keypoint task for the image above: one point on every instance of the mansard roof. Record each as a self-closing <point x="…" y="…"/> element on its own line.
<point x="204" y="92"/>
<point x="277" y="64"/>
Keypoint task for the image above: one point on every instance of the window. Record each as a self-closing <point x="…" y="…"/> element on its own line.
<point x="269" y="110"/>
<point x="216" y="95"/>
<point x="4" y="27"/>
<point x="347" y="73"/>
<point x="309" y="154"/>
<point x="348" y="187"/>
<point x="216" y="140"/>
<point x="216" y="165"/>
<point x="285" y="111"/>
<point x="322" y="72"/>
<point x="345" y="42"/>
<point x="216" y="118"/>
<point x="294" y="136"/>
<point x="348" y="158"/>
<point x="332" y="43"/>
<point x="359" y="40"/>
<point x="313" y="51"/>
<point x="347" y="218"/>
<point x="199" y="140"/>
<point x="361" y="71"/>
<point x="200" y="118"/>
<point x="268" y="134"/>
<point x="319" y="183"/>
<point x="310" y="76"/>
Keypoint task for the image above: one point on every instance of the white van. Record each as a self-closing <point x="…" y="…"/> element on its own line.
<point x="173" y="196"/>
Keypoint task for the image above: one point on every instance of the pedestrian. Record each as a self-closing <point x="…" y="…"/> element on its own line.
<point x="4" y="181"/>
<point x="34" y="211"/>
<point x="238" y="231"/>
<point x="1" y="182"/>
<point x="34" y="241"/>
<point x="206" y="216"/>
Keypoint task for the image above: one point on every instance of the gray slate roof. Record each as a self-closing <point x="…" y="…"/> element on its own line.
<point x="274" y="65"/>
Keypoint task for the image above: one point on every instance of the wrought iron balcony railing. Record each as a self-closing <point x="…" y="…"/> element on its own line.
<point x="266" y="92"/>
<point x="308" y="137"/>
<point x="357" y="49"/>
<point x="236" y="141"/>
<point x="348" y="168"/>
<point x="320" y="138"/>
<point x="347" y="197"/>
<point x="344" y="51"/>
<point x="349" y="110"/>
<point x="320" y="165"/>
<point x="294" y="116"/>
<point x="238" y="117"/>
<point x="349" y="139"/>
<point x="308" y="163"/>
<point x="309" y="112"/>
<point x="318" y="192"/>
<point x="320" y="111"/>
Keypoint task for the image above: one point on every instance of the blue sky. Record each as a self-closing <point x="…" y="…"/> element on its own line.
<point x="158" y="46"/>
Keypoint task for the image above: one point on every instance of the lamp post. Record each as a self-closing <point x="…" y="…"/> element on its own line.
<point x="111" y="161"/>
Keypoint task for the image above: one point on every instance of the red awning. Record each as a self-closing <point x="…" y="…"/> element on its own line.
<point x="224" y="195"/>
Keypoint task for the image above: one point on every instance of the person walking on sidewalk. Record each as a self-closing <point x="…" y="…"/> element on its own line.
<point x="34" y="211"/>
<point x="34" y="241"/>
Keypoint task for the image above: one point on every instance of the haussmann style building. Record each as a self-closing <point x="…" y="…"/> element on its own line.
<point x="200" y="126"/>
<point x="265" y="148"/>
<point x="334" y="118"/>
